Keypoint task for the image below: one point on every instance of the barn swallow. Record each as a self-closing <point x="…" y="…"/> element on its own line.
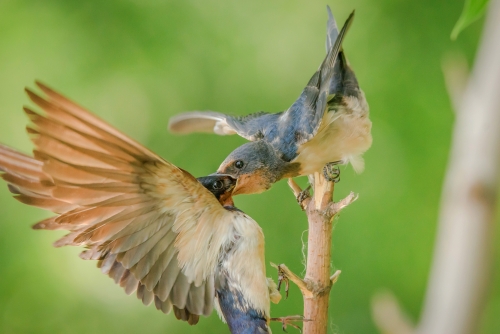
<point x="156" y="230"/>
<point x="327" y="125"/>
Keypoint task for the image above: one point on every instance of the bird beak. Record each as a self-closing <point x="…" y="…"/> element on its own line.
<point x="251" y="184"/>
<point x="233" y="185"/>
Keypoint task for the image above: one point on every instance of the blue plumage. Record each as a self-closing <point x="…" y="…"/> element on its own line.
<point x="328" y="124"/>
<point x="241" y="317"/>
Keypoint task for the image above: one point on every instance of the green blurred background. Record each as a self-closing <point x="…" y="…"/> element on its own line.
<point x="138" y="62"/>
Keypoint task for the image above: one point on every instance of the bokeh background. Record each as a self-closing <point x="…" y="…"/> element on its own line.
<point x="138" y="62"/>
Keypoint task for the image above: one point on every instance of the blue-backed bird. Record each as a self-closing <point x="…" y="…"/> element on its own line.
<point x="152" y="227"/>
<point x="327" y="125"/>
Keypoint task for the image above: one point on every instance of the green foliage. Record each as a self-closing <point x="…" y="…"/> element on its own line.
<point x="473" y="10"/>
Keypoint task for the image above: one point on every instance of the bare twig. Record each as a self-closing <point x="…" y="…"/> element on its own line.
<point x="298" y="193"/>
<point x="388" y="316"/>
<point x="334" y="208"/>
<point x="288" y="321"/>
<point x="294" y="186"/>
<point x="316" y="285"/>
<point x="334" y="278"/>
<point x="285" y="274"/>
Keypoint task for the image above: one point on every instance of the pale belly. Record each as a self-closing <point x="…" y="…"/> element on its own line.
<point x="342" y="136"/>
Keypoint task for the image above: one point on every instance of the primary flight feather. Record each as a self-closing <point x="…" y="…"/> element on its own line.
<point x="176" y="241"/>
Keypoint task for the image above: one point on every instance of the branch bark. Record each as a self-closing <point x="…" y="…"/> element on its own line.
<point x="316" y="285"/>
<point x="460" y="270"/>
<point x="459" y="278"/>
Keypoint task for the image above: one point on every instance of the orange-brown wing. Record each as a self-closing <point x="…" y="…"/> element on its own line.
<point x="134" y="211"/>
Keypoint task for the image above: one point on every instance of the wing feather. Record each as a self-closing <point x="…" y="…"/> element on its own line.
<point x="25" y="184"/>
<point x="133" y="211"/>
<point x="129" y="283"/>
<point x="167" y="280"/>
<point x="209" y="296"/>
<point x="116" y="272"/>
<point x="180" y="291"/>
<point x="152" y="277"/>
<point x="164" y="306"/>
<point x="134" y="255"/>
<point x="287" y="130"/>
<point x="94" y="122"/>
<point x="201" y="121"/>
<point x="195" y="298"/>
<point x="249" y="127"/>
<point x="301" y="121"/>
<point x="146" y="295"/>
<point x="51" y="204"/>
<point x="74" y="174"/>
<point x="145" y="263"/>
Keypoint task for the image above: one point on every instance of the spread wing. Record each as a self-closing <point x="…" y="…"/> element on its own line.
<point x="287" y="130"/>
<point x="152" y="226"/>
<point x="249" y="127"/>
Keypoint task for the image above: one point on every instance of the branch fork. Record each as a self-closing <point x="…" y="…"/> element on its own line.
<point x="316" y="285"/>
<point x="286" y="275"/>
<point x="332" y="208"/>
<point x="306" y="287"/>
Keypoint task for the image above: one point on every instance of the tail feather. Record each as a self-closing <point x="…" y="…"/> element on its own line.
<point x="343" y="82"/>
<point x="332" y="31"/>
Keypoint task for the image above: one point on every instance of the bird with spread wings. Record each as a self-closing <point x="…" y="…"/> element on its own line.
<point x="327" y="125"/>
<point x="152" y="227"/>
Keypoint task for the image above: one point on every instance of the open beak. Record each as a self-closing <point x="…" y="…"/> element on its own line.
<point x="250" y="184"/>
<point x="233" y="185"/>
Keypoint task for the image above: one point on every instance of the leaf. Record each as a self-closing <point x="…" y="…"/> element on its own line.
<point x="473" y="9"/>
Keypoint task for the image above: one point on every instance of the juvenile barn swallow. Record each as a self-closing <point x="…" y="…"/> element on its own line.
<point x="327" y="125"/>
<point x="177" y="241"/>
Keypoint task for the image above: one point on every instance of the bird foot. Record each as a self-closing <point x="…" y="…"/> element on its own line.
<point x="303" y="195"/>
<point x="286" y="275"/>
<point x="288" y="321"/>
<point x="282" y="277"/>
<point x="331" y="171"/>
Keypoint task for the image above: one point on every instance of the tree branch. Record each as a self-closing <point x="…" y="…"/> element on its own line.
<point x="388" y="316"/>
<point x="316" y="285"/>
<point x="460" y="270"/>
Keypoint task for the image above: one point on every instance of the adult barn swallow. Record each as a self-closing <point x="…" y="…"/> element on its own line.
<point x="327" y="125"/>
<point x="177" y="241"/>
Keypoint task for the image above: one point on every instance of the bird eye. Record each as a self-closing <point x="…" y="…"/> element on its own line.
<point x="239" y="164"/>
<point x="217" y="185"/>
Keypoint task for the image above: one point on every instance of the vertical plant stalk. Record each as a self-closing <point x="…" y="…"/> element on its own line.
<point x="316" y="285"/>
<point x="462" y="258"/>
<point x="459" y="279"/>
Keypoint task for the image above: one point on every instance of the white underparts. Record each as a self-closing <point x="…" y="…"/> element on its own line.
<point x="344" y="135"/>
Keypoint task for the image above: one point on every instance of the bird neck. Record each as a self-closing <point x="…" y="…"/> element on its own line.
<point x="288" y="169"/>
<point x="226" y="200"/>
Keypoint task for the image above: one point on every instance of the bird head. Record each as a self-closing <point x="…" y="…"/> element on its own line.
<point x="256" y="165"/>
<point x="221" y="186"/>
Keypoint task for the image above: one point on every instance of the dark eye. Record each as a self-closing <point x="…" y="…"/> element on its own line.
<point x="217" y="185"/>
<point x="239" y="164"/>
